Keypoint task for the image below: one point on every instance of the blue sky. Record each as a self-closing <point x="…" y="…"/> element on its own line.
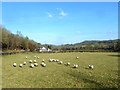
<point x="62" y="23"/>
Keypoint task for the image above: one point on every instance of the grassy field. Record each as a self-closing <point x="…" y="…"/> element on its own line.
<point x="0" y="72"/>
<point x="54" y="75"/>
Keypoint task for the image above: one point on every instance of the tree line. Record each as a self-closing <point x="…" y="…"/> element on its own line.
<point x="91" y="46"/>
<point x="17" y="41"/>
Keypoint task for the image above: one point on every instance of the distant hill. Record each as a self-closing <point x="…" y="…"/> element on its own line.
<point x="17" y="41"/>
<point x="91" y="45"/>
<point x="94" y="42"/>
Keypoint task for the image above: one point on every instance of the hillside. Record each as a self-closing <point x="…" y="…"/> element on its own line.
<point x="17" y="41"/>
<point x="93" y="45"/>
<point x="94" y="42"/>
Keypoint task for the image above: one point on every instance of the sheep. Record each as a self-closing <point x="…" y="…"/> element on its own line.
<point x="21" y="65"/>
<point x="32" y="65"/>
<point x="26" y="57"/>
<point x="77" y="57"/>
<point x="54" y="60"/>
<point x="30" y="61"/>
<point x="50" y="60"/>
<point x="34" y="56"/>
<point x="43" y="60"/>
<point x="14" y="64"/>
<point x="57" y="60"/>
<point x="35" y="64"/>
<point x="68" y="63"/>
<point x="34" y="61"/>
<point x="38" y="57"/>
<point x="24" y="63"/>
<point x="43" y="64"/>
<point x="75" y="66"/>
<point x="60" y="62"/>
<point x="90" y="67"/>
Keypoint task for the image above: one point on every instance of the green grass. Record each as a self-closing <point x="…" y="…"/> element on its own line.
<point x="54" y="75"/>
<point x="0" y="72"/>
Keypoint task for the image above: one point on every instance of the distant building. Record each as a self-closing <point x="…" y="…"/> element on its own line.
<point x="49" y="50"/>
<point x="43" y="49"/>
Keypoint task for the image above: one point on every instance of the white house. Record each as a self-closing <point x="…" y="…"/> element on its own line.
<point x="49" y="50"/>
<point x="43" y="49"/>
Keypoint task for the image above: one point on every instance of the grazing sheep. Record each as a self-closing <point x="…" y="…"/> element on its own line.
<point x="75" y="66"/>
<point x="43" y="64"/>
<point x="57" y="60"/>
<point x="30" y="61"/>
<point x="24" y="63"/>
<point x="54" y="60"/>
<point x="68" y="63"/>
<point x="77" y="57"/>
<point x="21" y="65"/>
<point x="32" y="65"/>
<point x="90" y="67"/>
<point x="34" y="56"/>
<point x="50" y="60"/>
<point x="35" y="64"/>
<point x="34" y="61"/>
<point x="14" y="64"/>
<point x="43" y="60"/>
<point x="60" y="62"/>
<point x="38" y="57"/>
<point x="26" y="57"/>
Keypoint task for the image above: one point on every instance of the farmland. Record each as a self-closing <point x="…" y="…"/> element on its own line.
<point x="54" y="75"/>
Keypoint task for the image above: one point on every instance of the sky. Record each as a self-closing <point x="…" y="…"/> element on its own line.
<point x="62" y="22"/>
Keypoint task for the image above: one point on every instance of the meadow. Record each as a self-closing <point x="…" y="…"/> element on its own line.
<point x="54" y="75"/>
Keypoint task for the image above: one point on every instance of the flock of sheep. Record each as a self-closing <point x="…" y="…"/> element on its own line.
<point x="34" y="63"/>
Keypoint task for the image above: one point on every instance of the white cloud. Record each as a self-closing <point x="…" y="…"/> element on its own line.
<point x="49" y="15"/>
<point x="62" y="13"/>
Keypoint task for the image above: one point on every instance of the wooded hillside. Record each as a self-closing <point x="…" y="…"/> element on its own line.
<point x="17" y="41"/>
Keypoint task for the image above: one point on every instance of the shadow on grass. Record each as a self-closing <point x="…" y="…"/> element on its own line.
<point x="115" y="55"/>
<point x="86" y="79"/>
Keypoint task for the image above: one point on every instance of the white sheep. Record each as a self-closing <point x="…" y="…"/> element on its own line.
<point x="43" y="64"/>
<point x="50" y="60"/>
<point x="30" y="61"/>
<point x="60" y="62"/>
<point x="75" y="66"/>
<point x="32" y="65"/>
<point x="34" y="61"/>
<point x="38" y="57"/>
<point x="57" y="60"/>
<point x="35" y="64"/>
<point x="77" y="57"/>
<point x="21" y="65"/>
<point x="34" y="56"/>
<point x="43" y="60"/>
<point x="24" y="63"/>
<point x="90" y="66"/>
<point x="26" y="57"/>
<point x="68" y="63"/>
<point x="14" y="64"/>
<point x="54" y="60"/>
